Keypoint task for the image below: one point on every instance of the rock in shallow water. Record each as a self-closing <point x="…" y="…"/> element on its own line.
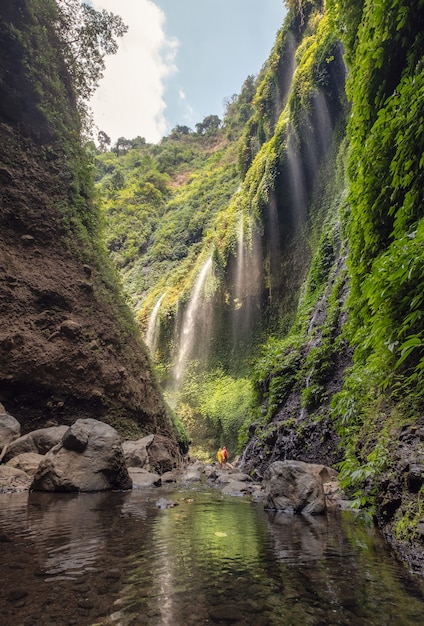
<point x="97" y="465"/>
<point x="142" y="478"/>
<point x="294" y="487"/>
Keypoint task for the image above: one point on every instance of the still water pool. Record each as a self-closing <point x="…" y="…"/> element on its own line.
<point x="118" y="559"/>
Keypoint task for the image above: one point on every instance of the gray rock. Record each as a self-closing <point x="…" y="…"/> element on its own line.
<point x="190" y="475"/>
<point x="28" y="462"/>
<point x="98" y="467"/>
<point x="169" y="477"/>
<point x="415" y="477"/>
<point x="76" y="437"/>
<point x="142" y="478"/>
<point x="163" y="503"/>
<point x="327" y="474"/>
<point x="258" y="493"/>
<point x="13" y="479"/>
<point x="10" y="429"/>
<point x="227" y="477"/>
<point x="135" y="452"/>
<point x="161" y="458"/>
<point x="210" y="472"/>
<point x="39" y="441"/>
<point x="236" y="488"/>
<point x="420" y="527"/>
<point x="294" y="486"/>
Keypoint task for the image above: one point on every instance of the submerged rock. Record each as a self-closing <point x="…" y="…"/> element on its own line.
<point x="294" y="487"/>
<point x="89" y="458"/>
<point x="163" y="503"/>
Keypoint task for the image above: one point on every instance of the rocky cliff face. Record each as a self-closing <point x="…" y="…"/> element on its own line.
<point x="68" y="345"/>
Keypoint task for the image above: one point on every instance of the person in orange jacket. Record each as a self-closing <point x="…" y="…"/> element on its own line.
<point x="220" y="457"/>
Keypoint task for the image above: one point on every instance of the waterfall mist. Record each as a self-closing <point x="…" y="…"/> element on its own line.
<point x="245" y="310"/>
<point x="153" y="327"/>
<point x="196" y="324"/>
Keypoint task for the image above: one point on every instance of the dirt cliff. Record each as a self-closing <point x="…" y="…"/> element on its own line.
<point x="68" y="345"/>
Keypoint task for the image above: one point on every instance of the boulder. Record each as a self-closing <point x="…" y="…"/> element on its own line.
<point x="89" y="458"/>
<point x="190" y="475"/>
<point x="170" y="477"/>
<point x="327" y="474"/>
<point x="76" y="438"/>
<point x="295" y="487"/>
<point x="162" y="456"/>
<point x="13" y="479"/>
<point x="28" y="462"/>
<point x="211" y="472"/>
<point x="237" y="488"/>
<point x="39" y="441"/>
<point x="164" y="503"/>
<point x="152" y="452"/>
<point x="135" y="452"/>
<point x="230" y="476"/>
<point x="142" y="478"/>
<point x="10" y="429"/>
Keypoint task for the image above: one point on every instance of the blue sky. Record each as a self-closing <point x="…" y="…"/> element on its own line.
<point x="179" y="60"/>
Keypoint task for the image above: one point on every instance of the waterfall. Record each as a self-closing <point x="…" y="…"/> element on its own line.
<point x="246" y="286"/>
<point x="296" y="182"/>
<point x="152" y="327"/>
<point x="191" y="317"/>
<point x="240" y="267"/>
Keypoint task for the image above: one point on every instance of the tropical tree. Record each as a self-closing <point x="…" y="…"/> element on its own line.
<point x="103" y="140"/>
<point x="209" y="126"/>
<point x="88" y="35"/>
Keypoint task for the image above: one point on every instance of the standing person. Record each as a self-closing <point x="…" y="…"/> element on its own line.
<point x="225" y="453"/>
<point x="220" y="457"/>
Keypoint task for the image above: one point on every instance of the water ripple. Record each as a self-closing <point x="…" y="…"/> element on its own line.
<point x="117" y="559"/>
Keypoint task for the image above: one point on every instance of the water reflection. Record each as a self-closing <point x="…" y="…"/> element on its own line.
<point x="115" y="558"/>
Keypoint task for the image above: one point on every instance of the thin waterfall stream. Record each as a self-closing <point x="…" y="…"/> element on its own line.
<point x="152" y="327"/>
<point x="191" y="318"/>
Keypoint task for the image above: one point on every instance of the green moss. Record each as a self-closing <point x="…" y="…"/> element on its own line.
<point x="407" y="518"/>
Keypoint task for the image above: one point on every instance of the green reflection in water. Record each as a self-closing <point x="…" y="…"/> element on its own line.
<point x="200" y="545"/>
<point x="217" y="560"/>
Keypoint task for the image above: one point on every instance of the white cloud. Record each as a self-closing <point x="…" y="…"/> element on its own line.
<point x="129" y="101"/>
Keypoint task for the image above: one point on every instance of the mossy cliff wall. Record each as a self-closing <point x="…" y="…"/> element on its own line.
<point x="346" y="382"/>
<point x="69" y="347"/>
